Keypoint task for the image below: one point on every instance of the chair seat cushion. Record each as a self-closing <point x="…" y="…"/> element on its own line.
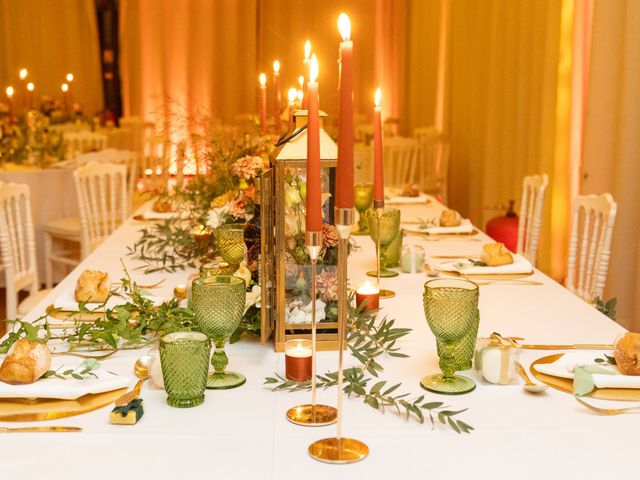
<point x="31" y="301"/>
<point x="65" y="227"/>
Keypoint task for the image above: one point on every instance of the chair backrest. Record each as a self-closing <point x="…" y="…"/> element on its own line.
<point x="102" y="201"/>
<point x="17" y="243"/>
<point x="118" y="157"/>
<point x="400" y="157"/>
<point x="533" y="190"/>
<point x="120" y="138"/>
<point x="433" y="160"/>
<point x="590" y="244"/>
<point x="84" y="142"/>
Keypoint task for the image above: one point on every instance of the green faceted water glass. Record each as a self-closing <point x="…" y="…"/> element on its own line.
<point x="230" y="240"/>
<point x="464" y="351"/>
<point x="218" y="305"/>
<point x="389" y="230"/>
<point x="451" y="309"/>
<point x="362" y="199"/>
<point x="184" y="357"/>
<point x="392" y="253"/>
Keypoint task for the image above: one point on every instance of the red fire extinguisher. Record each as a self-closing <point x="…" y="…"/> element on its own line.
<point x="505" y="229"/>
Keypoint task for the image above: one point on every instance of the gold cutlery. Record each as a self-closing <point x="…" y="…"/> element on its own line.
<point x="39" y="429"/>
<point x="141" y="369"/>
<point x="577" y="346"/>
<point x="529" y="386"/>
<point x="608" y="411"/>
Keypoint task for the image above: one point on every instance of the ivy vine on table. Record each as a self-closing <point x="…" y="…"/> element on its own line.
<point x="368" y="339"/>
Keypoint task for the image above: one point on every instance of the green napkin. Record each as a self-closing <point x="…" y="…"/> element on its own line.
<point x="583" y="378"/>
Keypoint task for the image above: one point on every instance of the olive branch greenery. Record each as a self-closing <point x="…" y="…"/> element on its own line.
<point x="81" y="372"/>
<point x="368" y="339"/>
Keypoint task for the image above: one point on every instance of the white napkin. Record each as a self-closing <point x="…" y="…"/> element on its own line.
<point x="400" y="200"/>
<point x="564" y="368"/>
<point x="67" y="389"/>
<point x="465" y="227"/>
<point x="519" y="265"/>
<point x="67" y="302"/>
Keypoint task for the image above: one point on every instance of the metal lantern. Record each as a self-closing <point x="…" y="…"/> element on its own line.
<point x="285" y="266"/>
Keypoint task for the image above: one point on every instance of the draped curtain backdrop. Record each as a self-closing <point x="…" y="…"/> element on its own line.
<point x="612" y="142"/>
<point x="51" y="39"/>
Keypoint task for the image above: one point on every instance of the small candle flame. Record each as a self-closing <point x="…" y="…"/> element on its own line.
<point x="69" y="77"/>
<point x="307" y="49"/>
<point x="65" y="87"/>
<point x="10" y="91"/>
<point x="313" y="71"/>
<point x="276" y="66"/>
<point x="292" y="95"/>
<point x="262" y="79"/>
<point x="378" y="97"/>
<point x="299" y="347"/>
<point x="23" y="73"/>
<point x="368" y="288"/>
<point x="344" y="26"/>
<point x="30" y="86"/>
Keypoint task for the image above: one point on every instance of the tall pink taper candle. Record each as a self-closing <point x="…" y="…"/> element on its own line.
<point x="314" y="187"/>
<point x="344" y="171"/>
<point x="263" y="103"/>
<point x="277" y="99"/>
<point x="378" y="170"/>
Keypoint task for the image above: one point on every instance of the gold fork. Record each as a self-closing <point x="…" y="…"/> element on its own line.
<point x="608" y="411"/>
<point x="39" y="429"/>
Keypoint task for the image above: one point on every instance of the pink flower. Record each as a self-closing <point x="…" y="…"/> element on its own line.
<point x="238" y="207"/>
<point x="247" y="167"/>
<point x="327" y="284"/>
<point x="330" y="236"/>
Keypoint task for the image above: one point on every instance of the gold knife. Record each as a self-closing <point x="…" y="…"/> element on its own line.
<point x="577" y="346"/>
<point x="39" y="429"/>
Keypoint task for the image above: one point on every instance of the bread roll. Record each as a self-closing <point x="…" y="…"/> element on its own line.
<point x="627" y="353"/>
<point x="25" y="363"/>
<point x="410" y="190"/>
<point x="93" y="287"/>
<point x="496" y="254"/>
<point x="450" y="218"/>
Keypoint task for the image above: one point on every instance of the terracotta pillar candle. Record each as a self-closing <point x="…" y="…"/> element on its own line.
<point x="314" y="187"/>
<point x="277" y="99"/>
<point x="297" y="356"/>
<point x="344" y="181"/>
<point x="368" y="297"/>
<point x="378" y="171"/>
<point x="307" y="69"/>
<point x="263" y="103"/>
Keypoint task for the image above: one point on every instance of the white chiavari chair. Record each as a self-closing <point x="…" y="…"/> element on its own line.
<point x="530" y="220"/>
<point x="400" y="157"/>
<point x="18" y="249"/>
<point x="102" y="200"/>
<point x="433" y="161"/>
<point x="83" y="142"/>
<point x="590" y="244"/>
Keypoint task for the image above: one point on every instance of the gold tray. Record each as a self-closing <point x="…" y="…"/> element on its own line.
<point x="566" y="384"/>
<point x="36" y="410"/>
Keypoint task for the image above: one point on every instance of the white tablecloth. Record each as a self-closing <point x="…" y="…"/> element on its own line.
<point x="53" y="195"/>
<point x="242" y="433"/>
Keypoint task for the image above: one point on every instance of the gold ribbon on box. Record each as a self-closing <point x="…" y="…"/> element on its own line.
<point x="505" y="344"/>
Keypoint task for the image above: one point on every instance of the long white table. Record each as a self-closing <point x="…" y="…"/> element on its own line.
<point x="243" y="433"/>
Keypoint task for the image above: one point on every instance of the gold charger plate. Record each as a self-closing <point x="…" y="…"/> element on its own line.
<point x="566" y="384"/>
<point x="36" y="410"/>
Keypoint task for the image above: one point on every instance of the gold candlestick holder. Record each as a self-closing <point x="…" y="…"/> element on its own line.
<point x="378" y="209"/>
<point x="341" y="449"/>
<point x="313" y="414"/>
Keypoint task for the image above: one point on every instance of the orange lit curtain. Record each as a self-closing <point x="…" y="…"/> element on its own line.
<point x="612" y="142"/>
<point x="51" y="39"/>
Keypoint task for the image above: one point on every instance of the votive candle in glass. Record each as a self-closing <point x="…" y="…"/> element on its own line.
<point x="297" y="355"/>
<point x="368" y="297"/>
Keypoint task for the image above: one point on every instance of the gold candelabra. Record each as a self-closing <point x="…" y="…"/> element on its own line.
<point x="313" y="414"/>
<point x="341" y="449"/>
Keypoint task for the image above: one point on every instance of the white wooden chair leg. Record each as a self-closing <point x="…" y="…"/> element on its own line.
<point x="48" y="263"/>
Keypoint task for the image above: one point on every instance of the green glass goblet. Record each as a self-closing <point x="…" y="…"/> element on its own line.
<point x="218" y="305"/>
<point x="184" y="357"/>
<point x="363" y="199"/>
<point x="464" y="351"/>
<point x="392" y="252"/>
<point x="230" y="240"/>
<point x="451" y="309"/>
<point x="389" y="230"/>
